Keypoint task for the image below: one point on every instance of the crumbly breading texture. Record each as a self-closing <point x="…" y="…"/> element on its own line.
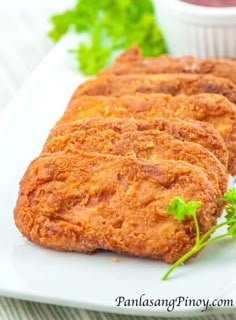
<point x="102" y="108"/>
<point x="150" y="145"/>
<point x="131" y="61"/>
<point x="90" y="201"/>
<point x="211" y="108"/>
<point x="105" y="183"/>
<point x="174" y="84"/>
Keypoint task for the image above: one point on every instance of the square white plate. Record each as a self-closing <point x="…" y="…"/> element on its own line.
<point x="93" y="282"/>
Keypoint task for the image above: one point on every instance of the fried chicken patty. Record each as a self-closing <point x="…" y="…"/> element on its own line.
<point x="194" y="131"/>
<point x="174" y="84"/>
<point x="86" y="202"/>
<point x="211" y="108"/>
<point x="150" y="145"/>
<point x="131" y="61"/>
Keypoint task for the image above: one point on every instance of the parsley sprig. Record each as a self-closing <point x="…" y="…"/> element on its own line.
<point x="180" y="209"/>
<point x="109" y="26"/>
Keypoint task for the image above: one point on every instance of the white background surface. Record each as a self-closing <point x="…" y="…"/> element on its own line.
<point x="23" y="40"/>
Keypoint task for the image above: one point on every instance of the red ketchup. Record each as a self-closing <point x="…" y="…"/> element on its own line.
<point x="213" y="3"/>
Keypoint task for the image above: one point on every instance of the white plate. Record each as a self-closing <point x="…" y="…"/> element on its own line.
<point x="93" y="282"/>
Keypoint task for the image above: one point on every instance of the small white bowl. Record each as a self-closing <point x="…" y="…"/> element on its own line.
<point x="197" y="30"/>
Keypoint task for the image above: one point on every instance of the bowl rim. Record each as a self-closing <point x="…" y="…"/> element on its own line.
<point x="195" y="9"/>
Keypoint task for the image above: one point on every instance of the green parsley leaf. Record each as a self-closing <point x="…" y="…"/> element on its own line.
<point x="180" y="209"/>
<point x="232" y="230"/>
<point x="109" y="26"/>
<point x="230" y="196"/>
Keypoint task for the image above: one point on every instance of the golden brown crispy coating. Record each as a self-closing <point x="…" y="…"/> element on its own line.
<point x="131" y="61"/>
<point x="150" y="145"/>
<point x="105" y="183"/>
<point x="138" y="108"/>
<point x="212" y="108"/>
<point x="90" y="201"/>
<point x="174" y="84"/>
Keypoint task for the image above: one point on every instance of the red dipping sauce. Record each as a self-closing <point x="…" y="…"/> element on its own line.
<point x="213" y="3"/>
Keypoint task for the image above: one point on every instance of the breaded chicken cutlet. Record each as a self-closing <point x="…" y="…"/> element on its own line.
<point x="150" y="145"/>
<point x="191" y="130"/>
<point x="91" y="201"/>
<point x="211" y="108"/>
<point x="122" y="151"/>
<point x="174" y="84"/>
<point x="131" y="61"/>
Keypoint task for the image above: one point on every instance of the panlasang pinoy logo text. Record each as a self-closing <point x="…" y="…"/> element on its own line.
<point x="172" y="304"/>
